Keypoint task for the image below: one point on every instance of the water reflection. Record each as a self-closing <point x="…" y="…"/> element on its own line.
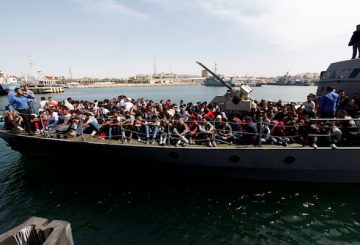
<point x="111" y="207"/>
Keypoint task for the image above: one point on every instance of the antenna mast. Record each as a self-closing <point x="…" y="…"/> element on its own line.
<point x="70" y="73"/>
<point x="31" y="76"/>
<point x="154" y="64"/>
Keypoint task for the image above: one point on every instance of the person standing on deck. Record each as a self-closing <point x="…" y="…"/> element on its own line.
<point x="355" y="42"/>
<point x="329" y="103"/>
<point x="30" y="101"/>
<point x="20" y="103"/>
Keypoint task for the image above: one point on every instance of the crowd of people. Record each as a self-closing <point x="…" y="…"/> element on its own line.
<point x="167" y="123"/>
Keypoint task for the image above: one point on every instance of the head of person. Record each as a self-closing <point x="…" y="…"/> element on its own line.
<point x="204" y="120"/>
<point x="351" y="102"/>
<point x="358" y="27"/>
<point x="341" y="92"/>
<point x="329" y="89"/>
<point x="247" y="120"/>
<point x="19" y="91"/>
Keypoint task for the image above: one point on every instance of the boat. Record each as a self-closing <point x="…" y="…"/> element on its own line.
<point x="249" y="81"/>
<point x="247" y="162"/>
<point x="41" y="84"/>
<point x="287" y="80"/>
<point x="7" y="82"/>
<point x="213" y="82"/>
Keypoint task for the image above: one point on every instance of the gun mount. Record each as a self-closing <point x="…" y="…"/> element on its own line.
<point x="234" y="99"/>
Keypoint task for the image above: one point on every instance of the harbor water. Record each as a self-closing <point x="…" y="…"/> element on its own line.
<point x="109" y="207"/>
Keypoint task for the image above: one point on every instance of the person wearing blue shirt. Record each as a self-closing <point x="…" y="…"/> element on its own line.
<point x="20" y="103"/>
<point x="11" y="94"/>
<point x="329" y="103"/>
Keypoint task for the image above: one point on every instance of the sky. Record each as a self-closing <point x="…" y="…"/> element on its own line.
<point x="120" y="38"/>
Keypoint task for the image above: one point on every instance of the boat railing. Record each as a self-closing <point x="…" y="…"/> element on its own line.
<point x="259" y="136"/>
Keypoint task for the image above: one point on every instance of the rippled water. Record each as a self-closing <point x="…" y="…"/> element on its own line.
<point x="110" y="208"/>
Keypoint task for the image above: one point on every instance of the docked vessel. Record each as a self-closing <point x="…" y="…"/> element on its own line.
<point x="41" y="84"/>
<point x="213" y="82"/>
<point x="249" y="81"/>
<point x="290" y="81"/>
<point x="261" y="162"/>
<point x="7" y="82"/>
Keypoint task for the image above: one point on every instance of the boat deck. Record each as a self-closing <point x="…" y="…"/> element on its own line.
<point x="91" y="139"/>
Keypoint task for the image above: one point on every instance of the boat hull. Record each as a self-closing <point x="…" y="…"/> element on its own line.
<point x="10" y="86"/>
<point x="302" y="164"/>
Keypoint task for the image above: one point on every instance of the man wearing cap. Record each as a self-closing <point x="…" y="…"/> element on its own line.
<point x="20" y="103"/>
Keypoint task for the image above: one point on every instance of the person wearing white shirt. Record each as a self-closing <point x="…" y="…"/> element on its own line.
<point x="309" y="106"/>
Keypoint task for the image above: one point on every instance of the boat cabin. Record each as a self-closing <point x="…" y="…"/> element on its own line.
<point x="341" y="75"/>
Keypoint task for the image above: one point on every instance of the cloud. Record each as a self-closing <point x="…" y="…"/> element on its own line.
<point x="292" y="24"/>
<point x="111" y="6"/>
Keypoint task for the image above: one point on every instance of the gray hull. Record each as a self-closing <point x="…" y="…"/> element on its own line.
<point x="253" y="163"/>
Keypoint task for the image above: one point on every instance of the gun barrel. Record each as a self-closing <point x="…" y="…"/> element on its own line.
<point x="214" y="75"/>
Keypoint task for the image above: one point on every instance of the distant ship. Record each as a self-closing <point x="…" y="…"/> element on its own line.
<point x="211" y="81"/>
<point x="7" y="82"/>
<point x="287" y="80"/>
<point x="249" y="81"/>
<point x="234" y="82"/>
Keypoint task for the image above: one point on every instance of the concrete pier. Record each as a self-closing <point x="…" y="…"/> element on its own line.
<point x="39" y="231"/>
<point x="46" y="90"/>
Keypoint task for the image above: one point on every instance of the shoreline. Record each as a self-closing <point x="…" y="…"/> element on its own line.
<point x="132" y="85"/>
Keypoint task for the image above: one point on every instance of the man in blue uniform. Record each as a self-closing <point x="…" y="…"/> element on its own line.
<point x="20" y="103"/>
<point x="329" y="103"/>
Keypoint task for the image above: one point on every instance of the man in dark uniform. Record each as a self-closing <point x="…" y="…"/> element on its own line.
<point x="355" y="42"/>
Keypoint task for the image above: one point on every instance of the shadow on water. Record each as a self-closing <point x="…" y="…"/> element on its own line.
<point x="107" y="206"/>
